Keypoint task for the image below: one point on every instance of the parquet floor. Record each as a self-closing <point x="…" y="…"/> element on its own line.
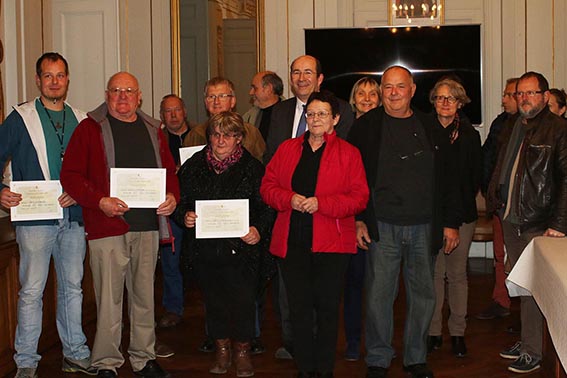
<point x="484" y="340"/>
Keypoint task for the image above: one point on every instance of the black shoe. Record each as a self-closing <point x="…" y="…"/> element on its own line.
<point x="105" y="373"/>
<point x="376" y="372"/>
<point x="305" y="374"/>
<point x="495" y="310"/>
<point x="256" y="346"/>
<point x="419" y="371"/>
<point x="514" y="329"/>
<point x="152" y="370"/>
<point x="458" y="346"/>
<point x="434" y="343"/>
<point x="208" y="346"/>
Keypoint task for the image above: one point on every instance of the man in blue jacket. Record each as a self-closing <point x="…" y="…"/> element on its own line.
<point x="33" y="139"/>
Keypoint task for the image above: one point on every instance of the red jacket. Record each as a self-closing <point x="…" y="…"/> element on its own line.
<point x="341" y="191"/>
<point x="85" y="174"/>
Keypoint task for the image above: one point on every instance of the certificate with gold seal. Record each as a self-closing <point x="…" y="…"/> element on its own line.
<point x="221" y="219"/>
<point x="138" y="187"/>
<point x="40" y="200"/>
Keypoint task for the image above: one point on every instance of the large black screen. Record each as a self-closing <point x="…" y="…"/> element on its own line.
<point x="429" y="52"/>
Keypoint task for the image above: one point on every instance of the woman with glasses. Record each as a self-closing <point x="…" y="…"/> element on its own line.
<point x="227" y="268"/>
<point x="448" y="97"/>
<point x="316" y="183"/>
<point x="557" y="101"/>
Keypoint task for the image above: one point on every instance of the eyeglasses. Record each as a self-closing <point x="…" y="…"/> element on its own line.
<point x="221" y="97"/>
<point x="528" y="93"/>
<point x="441" y="99"/>
<point x="320" y="115"/>
<point x="509" y="94"/>
<point x="306" y="73"/>
<point x="129" y="92"/>
<point x="216" y="135"/>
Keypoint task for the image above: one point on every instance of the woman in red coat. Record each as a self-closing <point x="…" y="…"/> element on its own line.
<point x="317" y="184"/>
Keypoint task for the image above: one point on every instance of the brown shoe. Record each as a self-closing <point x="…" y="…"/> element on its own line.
<point x="242" y="360"/>
<point x="169" y="320"/>
<point x="222" y="357"/>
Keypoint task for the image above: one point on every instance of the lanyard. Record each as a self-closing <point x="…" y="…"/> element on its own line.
<point x="56" y="127"/>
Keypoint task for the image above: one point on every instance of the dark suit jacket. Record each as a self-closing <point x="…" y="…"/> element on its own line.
<point x="281" y="124"/>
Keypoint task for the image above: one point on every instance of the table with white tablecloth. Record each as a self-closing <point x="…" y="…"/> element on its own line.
<point x="541" y="271"/>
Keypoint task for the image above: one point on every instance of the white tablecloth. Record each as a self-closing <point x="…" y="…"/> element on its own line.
<point x="541" y="271"/>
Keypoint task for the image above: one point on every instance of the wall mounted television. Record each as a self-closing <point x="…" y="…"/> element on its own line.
<point x="429" y="52"/>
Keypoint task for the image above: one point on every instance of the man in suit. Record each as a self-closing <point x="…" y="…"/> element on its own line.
<point x="288" y="118"/>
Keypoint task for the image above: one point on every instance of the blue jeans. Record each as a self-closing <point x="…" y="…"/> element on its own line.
<point x="172" y="279"/>
<point x="37" y="244"/>
<point x="409" y="245"/>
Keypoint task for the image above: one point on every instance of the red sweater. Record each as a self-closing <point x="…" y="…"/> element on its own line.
<point x="85" y="174"/>
<point x="341" y="191"/>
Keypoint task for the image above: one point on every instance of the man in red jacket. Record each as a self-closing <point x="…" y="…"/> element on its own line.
<point x="123" y="241"/>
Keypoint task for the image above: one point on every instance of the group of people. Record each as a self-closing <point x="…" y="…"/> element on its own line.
<point x="341" y="197"/>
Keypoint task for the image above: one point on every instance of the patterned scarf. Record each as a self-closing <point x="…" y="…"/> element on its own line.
<point x="219" y="166"/>
<point x="455" y="132"/>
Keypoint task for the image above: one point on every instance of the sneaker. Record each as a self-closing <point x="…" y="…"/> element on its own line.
<point x="170" y="319"/>
<point x="352" y="352"/>
<point x="376" y="372"/>
<point x="283" y="353"/>
<point x="70" y="365"/>
<point x="513" y="352"/>
<point x="152" y="370"/>
<point x="163" y="350"/>
<point x="525" y="364"/>
<point x="256" y="346"/>
<point x="495" y="310"/>
<point x="26" y="373"/>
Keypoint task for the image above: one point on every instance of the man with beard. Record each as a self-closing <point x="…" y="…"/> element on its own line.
<point x="34" y="138"/>
<point x="266" y="90"/>
<point x="529" y="190"/>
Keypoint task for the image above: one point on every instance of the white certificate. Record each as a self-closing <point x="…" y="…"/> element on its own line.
<point x="186" y="152"/>
<point x="221" y="219"/>
<point x="40" y="200"/>
<point x="138" y="187"/>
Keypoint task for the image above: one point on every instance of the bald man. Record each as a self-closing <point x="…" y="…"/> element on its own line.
<point x="123" y="241"/>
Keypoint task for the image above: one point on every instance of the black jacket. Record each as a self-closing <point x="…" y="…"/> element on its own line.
<point x="241" y="181"/>
<point x="541" y="179"/>
<point x="366" y="134"/>
<point x="466" y="153"/>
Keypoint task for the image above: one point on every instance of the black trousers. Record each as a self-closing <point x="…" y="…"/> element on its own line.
<point x="314" y="283"/>
<point x="229" y="292"/>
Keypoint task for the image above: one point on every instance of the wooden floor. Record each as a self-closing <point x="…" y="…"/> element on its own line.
<point x="484" y="340"/>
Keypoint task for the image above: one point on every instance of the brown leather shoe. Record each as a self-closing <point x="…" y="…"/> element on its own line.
<point x="222" y="357"/>
<point x="242" y="360"/>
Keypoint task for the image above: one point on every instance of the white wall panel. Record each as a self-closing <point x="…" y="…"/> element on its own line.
<point x="539" y="36"/>
<point x="86" y="33"/>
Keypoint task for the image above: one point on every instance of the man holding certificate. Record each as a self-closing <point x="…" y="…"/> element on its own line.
<point x="34" y="138"/>
<point x="120" y="149"/>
